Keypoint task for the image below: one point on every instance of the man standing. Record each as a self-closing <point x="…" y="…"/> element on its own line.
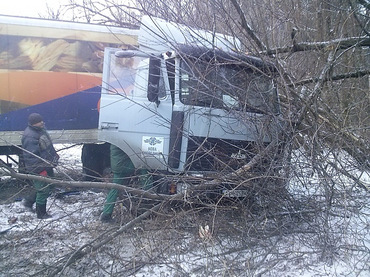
<point x="39" y="158"/>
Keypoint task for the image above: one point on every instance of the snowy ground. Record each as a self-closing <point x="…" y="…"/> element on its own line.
<point x="172" y="246"/>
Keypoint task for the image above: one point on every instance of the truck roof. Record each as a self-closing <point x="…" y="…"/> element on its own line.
<point x="157" y="35"/>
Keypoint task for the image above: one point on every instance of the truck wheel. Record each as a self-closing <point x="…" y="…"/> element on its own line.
<point x="95" y="159"/>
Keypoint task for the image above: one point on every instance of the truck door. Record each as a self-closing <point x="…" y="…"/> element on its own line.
<point x="136" y="108"/>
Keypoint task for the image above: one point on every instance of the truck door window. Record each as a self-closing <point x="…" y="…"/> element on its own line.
<point x="124" y="75"/>
<point x="226" y="86"/>
<point x="130" y="77"/>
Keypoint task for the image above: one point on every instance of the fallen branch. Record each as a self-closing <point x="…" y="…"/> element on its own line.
<point x="232" y="177"/>
<point x="101" y="185"/>
<point x="239" y="173"/>
<point x="92" y="247"/>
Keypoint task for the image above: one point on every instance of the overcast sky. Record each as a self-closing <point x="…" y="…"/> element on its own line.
<point x="30" y="8"/>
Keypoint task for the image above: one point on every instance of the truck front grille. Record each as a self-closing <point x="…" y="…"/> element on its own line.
<point x="210" y="154"/>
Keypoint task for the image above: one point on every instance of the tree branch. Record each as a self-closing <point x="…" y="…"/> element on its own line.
<point x="317" y="89"/>
<point x="325" y="45"/>
<point x="246" y="26"/>
<point x="355" y="74"/>
<point x="92" y="247"/>
<point x="101" y="185"/>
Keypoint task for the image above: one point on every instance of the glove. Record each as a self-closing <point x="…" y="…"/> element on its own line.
<point x="43" y="173"/>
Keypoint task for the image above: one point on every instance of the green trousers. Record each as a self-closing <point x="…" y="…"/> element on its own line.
<point x="123" y="169"/>
<point x="42" y="190"/>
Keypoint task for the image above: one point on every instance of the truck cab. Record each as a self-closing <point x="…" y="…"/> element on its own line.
<point x="189" y="109"/>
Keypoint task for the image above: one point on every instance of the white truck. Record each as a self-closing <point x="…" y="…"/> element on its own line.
<point x="187" y="102"/>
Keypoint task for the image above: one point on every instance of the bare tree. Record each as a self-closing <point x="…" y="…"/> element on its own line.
<point x="321" y="51"/>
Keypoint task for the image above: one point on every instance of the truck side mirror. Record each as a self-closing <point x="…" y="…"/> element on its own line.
<point x="153" y="80"/>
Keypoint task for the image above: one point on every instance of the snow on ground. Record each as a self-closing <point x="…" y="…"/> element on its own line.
<point x="75" y="223"/>
<point x="157" y="248"/>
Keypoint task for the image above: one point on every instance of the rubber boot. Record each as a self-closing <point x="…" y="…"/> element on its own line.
<point x="41" y="211"/>
<point x="106" y="218"/>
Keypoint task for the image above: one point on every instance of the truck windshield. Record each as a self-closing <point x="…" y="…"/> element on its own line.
<point x="226" y="86"/>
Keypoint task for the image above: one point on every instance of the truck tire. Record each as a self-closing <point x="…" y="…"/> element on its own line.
<point x="95" y="159"/>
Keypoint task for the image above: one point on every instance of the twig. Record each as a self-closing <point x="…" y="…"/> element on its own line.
<point x="92" y="247"/>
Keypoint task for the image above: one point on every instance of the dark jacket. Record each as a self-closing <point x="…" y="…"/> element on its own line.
<point x="37" y="144"/>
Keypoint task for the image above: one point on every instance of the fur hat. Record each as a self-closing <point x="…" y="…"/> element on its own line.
<point x="34" y="118"/>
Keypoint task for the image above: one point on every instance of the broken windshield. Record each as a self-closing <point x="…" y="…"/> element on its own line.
<point x="226" y="86"/>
